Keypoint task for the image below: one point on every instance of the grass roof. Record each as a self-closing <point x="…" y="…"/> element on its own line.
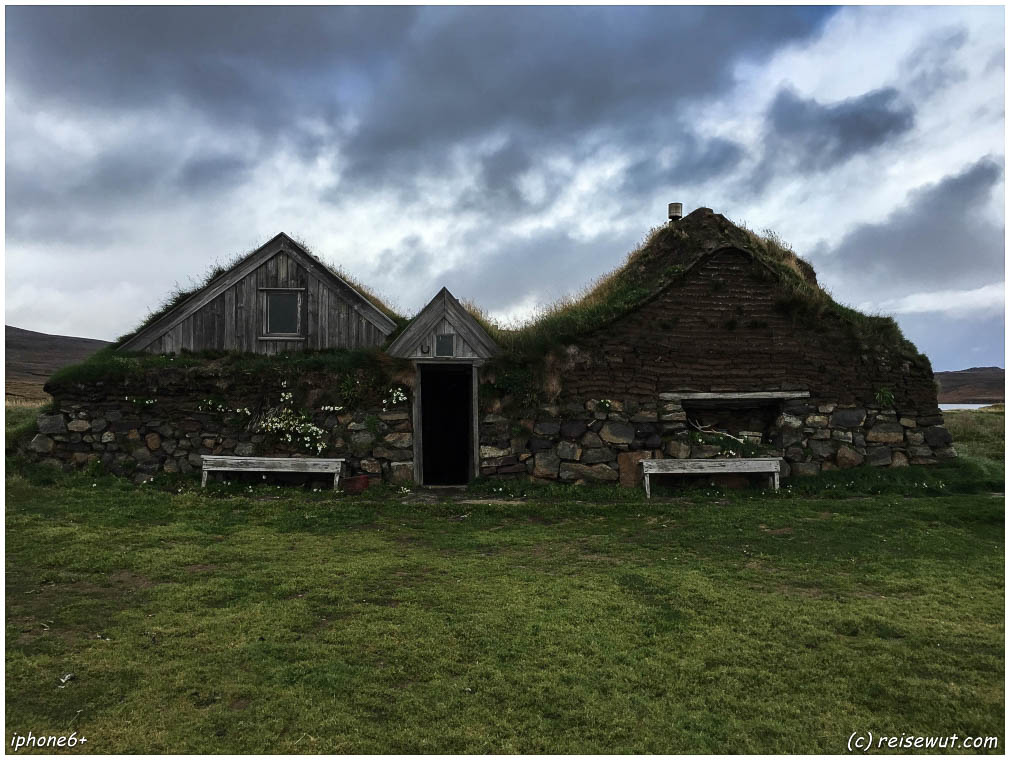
<point x="663" y="257"/>
<point x="180" y="293"/>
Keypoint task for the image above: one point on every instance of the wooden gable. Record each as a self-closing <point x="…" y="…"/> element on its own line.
<point x="427" y="337"/>
<point x="229" y="313"/>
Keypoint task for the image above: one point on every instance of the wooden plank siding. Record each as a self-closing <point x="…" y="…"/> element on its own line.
<point x="234" y="319"/>
<point x="443" y="315"/>
<point x="443" y="327"/>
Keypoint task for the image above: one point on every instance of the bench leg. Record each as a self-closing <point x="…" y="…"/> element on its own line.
<point x="648" y="491"/>
<point x="776" y="477"/>
<point x="203" y="480"/>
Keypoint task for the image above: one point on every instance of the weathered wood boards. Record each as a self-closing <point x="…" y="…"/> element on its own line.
<point x="229" y="313"/>
<point x="771" y="465"/>
<point x="443" y="315"/>
<point x="271" y="464"/>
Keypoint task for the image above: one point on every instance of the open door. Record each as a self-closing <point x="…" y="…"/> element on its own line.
<point x="447" y="423"/>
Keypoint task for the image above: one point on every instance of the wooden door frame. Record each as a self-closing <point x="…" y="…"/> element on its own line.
<point x="473" y="452"/>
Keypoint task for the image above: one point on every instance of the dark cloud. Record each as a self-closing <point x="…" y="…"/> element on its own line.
<point x="399" y="89"/>
<point x="249" y="65"/>
<point x="940" y="239"/>
<point x="557" y="74"/>
<point x="498" y="182"/>
<point x="698" y="160"/>
<point x="213" y="172"/>
<point x="804" y="136"/>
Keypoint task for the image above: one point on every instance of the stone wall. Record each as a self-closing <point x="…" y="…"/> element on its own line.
<point x="181" y="416"/>
<point x="603" y="440"/>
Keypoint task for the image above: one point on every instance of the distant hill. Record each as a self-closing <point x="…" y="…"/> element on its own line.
<point x="978" y="385"/>
<point x="33" y="356"/>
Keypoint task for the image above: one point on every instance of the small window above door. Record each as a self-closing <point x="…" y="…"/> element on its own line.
<point x="445" y="345"/>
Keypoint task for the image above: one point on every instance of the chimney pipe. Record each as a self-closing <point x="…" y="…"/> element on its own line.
<point x="675" y="212"/>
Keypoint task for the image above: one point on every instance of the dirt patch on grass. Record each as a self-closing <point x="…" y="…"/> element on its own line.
<point x="32" y="629"/>
<point x="53" y="609"/>
<point x="239" y="704"/>
<point x="131" y="580"/>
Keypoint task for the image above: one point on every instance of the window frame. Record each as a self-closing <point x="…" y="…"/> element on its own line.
<point x="265" y="333"/>
<point x="449" y="355"/>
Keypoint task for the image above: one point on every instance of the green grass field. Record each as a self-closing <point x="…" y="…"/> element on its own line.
<point x="978" y="433"/>
<point x="571" y="620"/>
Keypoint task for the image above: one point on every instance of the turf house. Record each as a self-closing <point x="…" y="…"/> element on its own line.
<point x="708" y="342"/>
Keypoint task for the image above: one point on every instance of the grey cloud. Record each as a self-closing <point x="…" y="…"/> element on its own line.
<point x="500" y="171"/>
<point x="558" y="74"/>
<point x="213" y="172"/>
<point x="940" y="239"/>
<point x="80" y="200"/>
<point x="241" y="64"/>
<point x="803" y="135"/>
<point x="418" y="83"/>
<point x="546" y="267"/>
<point x="503" y="272"/>
<point x="930" y="67"/>
<point x="698" y="160"/>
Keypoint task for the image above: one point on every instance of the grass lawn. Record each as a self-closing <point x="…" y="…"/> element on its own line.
<point x="978" y="432"/>
<point x="291" y="621"/>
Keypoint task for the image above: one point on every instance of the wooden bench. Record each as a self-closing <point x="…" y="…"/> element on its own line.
<point x="771" y="465"/>
<point x="271" y="464"/>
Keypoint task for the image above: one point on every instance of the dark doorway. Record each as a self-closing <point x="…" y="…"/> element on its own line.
<point x="446" y="423"/>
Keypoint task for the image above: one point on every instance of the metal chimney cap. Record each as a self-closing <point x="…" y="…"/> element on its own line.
<point x="675" y="211"/>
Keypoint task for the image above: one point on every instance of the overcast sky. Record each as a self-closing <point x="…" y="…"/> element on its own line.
<point x="511" y="154"/>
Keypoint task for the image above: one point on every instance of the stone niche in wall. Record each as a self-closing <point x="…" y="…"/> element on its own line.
<point x="751" y="420"/>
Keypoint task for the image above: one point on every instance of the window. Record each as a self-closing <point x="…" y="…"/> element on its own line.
<point x="445" y="345"/>
<point x="282" y="313"/>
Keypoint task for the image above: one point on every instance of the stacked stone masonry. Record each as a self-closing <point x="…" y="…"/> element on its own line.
<point x="604" y="440"/>
<point x="171" y="437"/>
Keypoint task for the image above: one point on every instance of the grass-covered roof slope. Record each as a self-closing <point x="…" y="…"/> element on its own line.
<point x="180" y="294"/>
<point x="658" y="263"/>
<point x="662" y="258"/>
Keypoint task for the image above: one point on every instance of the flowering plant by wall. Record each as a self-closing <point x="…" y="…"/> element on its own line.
<point x="394" y="397"/>
<point x="293" y="426"/>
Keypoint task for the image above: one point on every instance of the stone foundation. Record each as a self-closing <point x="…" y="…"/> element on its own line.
<point x="603" y="441"/>
<point x="170" y="437"/>
<point x="597" y="441"/>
